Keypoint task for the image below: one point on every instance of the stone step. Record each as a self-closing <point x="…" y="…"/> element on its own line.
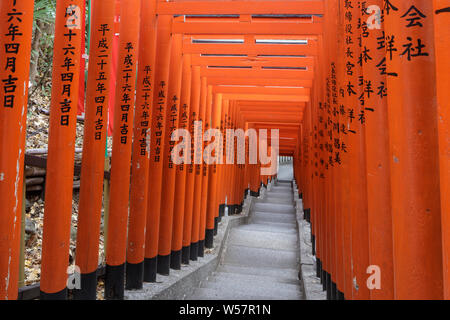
<point x="214" y="294"/>
<point x="273" y="217"/>
<point x="283" y="229"/>
<point x="259" y="271"/>
<point x="261" y="257"/>
<point x="255" y="288"/>
<point x="270" y="207"/>
<point x="272" y="200"/>
<point x="283" y="279"/>
<point x="262" y="239"/>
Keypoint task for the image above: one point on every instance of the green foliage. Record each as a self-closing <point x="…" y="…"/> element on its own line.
<point x="44" y="10"/>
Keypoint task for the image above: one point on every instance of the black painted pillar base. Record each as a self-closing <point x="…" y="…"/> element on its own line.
<point x="194" y="251"/>
<point x="201" y="248"/>
<point x="254" y="194"/>
<point x="60" y="295"/>
<point x="300" y="195"/>
<point x="163" y="265"/>
<point x="318" y="268"/>
<point x="329" y="289"/>
<point x="134" y="275"/>
<point x="313" y="244"/>
<point x="115" y="282"/>
<point x="216" y="225"/>
<point x="88" y="290"/>
<point x="239" y="208"/>
<point x="209" y="238"/>
<point x="333" y="291"/>
<point x="150" y="266"/>
<point x="307" y="215"/>
<point x="175" y="260"/>
<point x="185" y="254"/>
<point x="230" y="209"/>
<point x="324" y="280"/>
<point x="340" y="295"/>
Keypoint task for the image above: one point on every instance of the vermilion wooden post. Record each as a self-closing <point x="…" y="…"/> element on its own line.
<point x="60" y="161"/>
<point x="140" y="153"/>
<point x="190" y="179"/>
<point x="205" y="172"/>
<point x="356" y="116"/>
<point x="377" y="160"/>
<point x="221" y="186"/>
<point x="338" y="158"/>
<point x="169" y="168"/>
<point x="179" y="210"/>
<point x="414" y="154"/>
<point x="157" y="140"/>
<point x="198" y="160"/>
<point x="95" y="132"/>
<point x="441" y="36"/>
<point x="211" y="204"/>
<point x="15" y="48"/>
<point x="121" y="150"/>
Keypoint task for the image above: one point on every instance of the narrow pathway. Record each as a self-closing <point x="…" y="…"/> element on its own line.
<point x="261" y="260"/>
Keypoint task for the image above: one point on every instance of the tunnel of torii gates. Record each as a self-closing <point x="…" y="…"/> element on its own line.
<point x="357" y="89"/>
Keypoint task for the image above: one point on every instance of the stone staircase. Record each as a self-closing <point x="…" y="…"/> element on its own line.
<point x="261" y="259"/>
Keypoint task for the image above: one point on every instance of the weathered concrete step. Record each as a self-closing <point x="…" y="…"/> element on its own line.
<point x="262" y="239"/>
<point x="259" y="271"/>
<point x="273" y="217"/>
<point x="280" y="189"/>
<point x="254" y="288"/>
<point x="270" y="207"/>
<point x="280" y="195"/>
<point x="213" y="294"/>
<point x="277" y="200"/>
<point x="282" y="279"/>
<point x="261" y="257"/>
<point x="277" y="224"/>
<point x="278" y="229"/>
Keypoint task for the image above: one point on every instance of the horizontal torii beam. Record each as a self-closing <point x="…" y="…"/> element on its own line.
<point x="310" y="49"/>
<point x="262" y="90"/>
<point x="261" y="82"/>
<point x="256" y="73"/>
<point x="249" y="28"/>
<point x="265" y="97"/>
<point x="259" y="61"/>
<point x="313" y="7"/>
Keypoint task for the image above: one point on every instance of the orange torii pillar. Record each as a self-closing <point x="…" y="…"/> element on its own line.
<point x="93" y="162"/>
<point x="441" y="35"/>
<point x="198" y="161"/>
<point x="414" y="150"/>
<point x="330" y="132"/>
<point x="357" y="158"/>
<point x="169" y="168"/>
<point x="205" y="172"/>
<point x="337" y="75"/>
<point x="377" y="160"/>
<point x="343" y="175"/>
<point x="190" y="168"/>
<point x="15" y="48"/>
<point x="157" y="139"/>
<point x="140" y="154"/>
<point x="179" y="210"/>
<point x="222" y="167"/>
<point x="214" y="150"/>
<point x="60" y="161"/>
<point x="121" y="149"/>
